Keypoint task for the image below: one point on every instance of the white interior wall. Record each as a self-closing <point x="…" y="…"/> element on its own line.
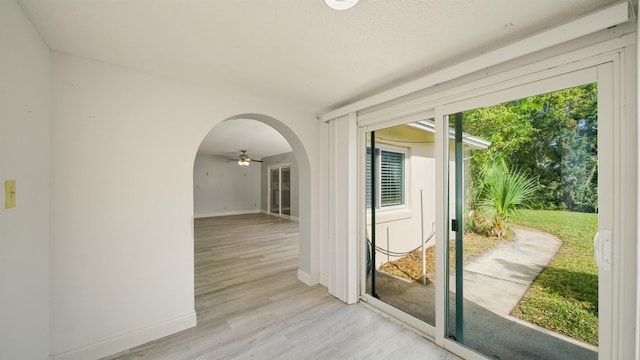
<point x="123" y="149"/>
<point x="222" y="188"/>
<point x="24" y="157"/>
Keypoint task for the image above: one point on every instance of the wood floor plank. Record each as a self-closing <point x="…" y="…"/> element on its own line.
<point x="250" y="305"/>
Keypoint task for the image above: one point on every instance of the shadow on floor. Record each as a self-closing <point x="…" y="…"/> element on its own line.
<point x="486" y="332"/>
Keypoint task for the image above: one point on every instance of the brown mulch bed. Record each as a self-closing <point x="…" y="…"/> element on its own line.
<point x="410" y="266"/>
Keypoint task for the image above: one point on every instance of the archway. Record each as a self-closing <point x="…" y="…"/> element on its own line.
<point x="304" y="173"/>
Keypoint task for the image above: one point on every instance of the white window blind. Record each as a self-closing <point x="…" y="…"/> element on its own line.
<point x="391" y="178"/>
<point x="390" y="173"/>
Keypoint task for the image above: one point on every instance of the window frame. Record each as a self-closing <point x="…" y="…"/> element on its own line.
<point x="379" y="148"/>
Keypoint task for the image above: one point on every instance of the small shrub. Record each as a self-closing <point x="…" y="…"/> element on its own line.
<point x="501" y="192"/>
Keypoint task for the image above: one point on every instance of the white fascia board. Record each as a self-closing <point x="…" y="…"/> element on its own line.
<point x="472" y="141"/>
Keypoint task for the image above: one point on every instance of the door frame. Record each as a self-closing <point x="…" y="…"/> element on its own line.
<point x="607" y="138"/>
<point x="545" y="75"/>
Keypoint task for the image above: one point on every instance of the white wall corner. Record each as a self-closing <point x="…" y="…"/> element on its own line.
<point x="130" y="339"/>
<point x="308" y="279"/>
<point x="324" y="280"/>
<point x="323" y="205"/>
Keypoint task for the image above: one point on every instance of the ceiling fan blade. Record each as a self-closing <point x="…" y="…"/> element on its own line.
<point x="255" y="160"/>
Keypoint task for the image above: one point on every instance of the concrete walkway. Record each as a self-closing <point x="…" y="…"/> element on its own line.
<point x="499" y="278"/>
<point x="494" y="283"/>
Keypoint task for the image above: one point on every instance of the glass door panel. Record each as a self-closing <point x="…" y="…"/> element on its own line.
<point x="274" y="198"/>
<point x="400" y="200"/>
<point x="285" y="186"/>
<point x="523" y="194"/>
<point x="280" y="190"/>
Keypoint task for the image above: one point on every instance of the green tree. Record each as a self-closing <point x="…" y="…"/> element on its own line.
<point x="553" y="136"/>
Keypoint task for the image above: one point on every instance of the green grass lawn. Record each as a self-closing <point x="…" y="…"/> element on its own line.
<point x="564" y="297"/>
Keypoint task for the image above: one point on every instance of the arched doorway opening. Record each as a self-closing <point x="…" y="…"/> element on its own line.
<point x="304" y="187"/>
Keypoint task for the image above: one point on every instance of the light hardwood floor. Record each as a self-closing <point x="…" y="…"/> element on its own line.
<point x="250" y="305"/>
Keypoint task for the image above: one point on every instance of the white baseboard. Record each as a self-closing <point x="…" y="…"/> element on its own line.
<point x="288" y="217"/>
<point x="226" y="213"/>
<point x="128" y="340"/>
<point x="308" y="279"/>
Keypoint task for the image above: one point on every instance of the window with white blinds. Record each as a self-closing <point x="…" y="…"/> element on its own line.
<point x="390" y="189"/>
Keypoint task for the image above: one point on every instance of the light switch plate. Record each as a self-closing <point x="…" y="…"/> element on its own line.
<point x="9" y="194"/>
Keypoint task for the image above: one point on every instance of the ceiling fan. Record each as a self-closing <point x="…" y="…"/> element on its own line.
<point x="243" y="159"/>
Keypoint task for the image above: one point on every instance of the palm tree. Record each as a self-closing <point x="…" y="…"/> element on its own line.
<point x="502" y="191"/>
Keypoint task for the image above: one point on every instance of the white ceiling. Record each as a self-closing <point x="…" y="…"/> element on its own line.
<point x="231" y="136"/>
<point x="297" y="52"/>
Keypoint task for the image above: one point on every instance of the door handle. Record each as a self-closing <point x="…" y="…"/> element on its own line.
<point x="597" y="249"/>
<point x="602" y="249"/>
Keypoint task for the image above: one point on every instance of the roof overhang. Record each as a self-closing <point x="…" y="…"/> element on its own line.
<point x="469" y="140"/>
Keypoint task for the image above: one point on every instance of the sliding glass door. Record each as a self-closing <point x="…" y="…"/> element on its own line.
<point x="504" y="267"/>
<point x="524" y="281"/>
<point x="279" y="190"/>
<point x="400" y="195"/>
